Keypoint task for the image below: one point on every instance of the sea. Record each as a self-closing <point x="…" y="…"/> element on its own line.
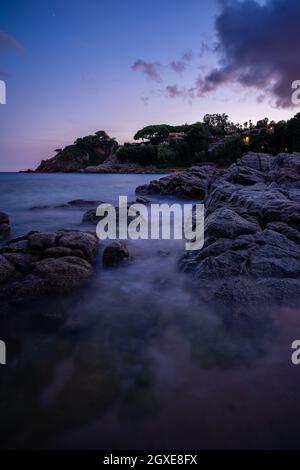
<point x="135" y="360"/>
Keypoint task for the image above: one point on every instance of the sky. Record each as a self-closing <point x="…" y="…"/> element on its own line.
<point x="74" y="67"/>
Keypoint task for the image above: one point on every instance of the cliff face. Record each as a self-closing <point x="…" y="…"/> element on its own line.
<point x="86" y="151"/>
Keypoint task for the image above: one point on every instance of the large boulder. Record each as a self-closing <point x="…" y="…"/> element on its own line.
<point x="257" y="161"/>
<point x="285" y="170"/>
<point x="226" y="223"/>
<point x="38" y="264"/>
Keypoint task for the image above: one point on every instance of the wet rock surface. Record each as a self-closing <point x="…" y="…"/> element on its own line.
<point x="44" y="263"/>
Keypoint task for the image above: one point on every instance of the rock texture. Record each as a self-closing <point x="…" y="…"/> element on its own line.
<point x="252" y="238"/>
<point x="252" y="226"/>
<point x="45" y="263"/>
<point x="193" y="183"/>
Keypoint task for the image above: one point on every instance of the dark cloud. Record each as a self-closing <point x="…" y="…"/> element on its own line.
<point x="150" y="69"/>
<point x="178" y="66"/>
<point x="259" y="47"/>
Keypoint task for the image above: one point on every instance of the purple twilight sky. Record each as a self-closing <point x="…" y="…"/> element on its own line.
<point x="73" y="67"/>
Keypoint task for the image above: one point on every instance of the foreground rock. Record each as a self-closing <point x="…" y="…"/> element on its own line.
<point x="4" y="225"/>
<point x="252" y="221"/>
<point x="115" y="253"/>
<point x="41" y="263"/>
<point x="252" y="238"/>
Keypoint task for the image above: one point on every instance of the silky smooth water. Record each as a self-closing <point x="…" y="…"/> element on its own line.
<point x="135" y="360"/>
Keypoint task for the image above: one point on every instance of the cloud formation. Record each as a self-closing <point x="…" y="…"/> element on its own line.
<point x="188" y="56"/>
<point x="173" y="91"/>
<point x="150" y="69"/>
<point x="178" y="66"/>
<point x="258" y="47"/>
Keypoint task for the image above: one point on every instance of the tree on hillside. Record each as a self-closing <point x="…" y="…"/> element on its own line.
<point x="217" y="123"/>
<point x="197" y="138"/>
<point x="155" y="134"/>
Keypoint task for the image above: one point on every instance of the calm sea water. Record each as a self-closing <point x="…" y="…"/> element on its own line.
<point x="135" y="360"/>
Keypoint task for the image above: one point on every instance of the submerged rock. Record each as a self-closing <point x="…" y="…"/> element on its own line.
<point x="115" y="253"/>
<point x="41" y="263"/>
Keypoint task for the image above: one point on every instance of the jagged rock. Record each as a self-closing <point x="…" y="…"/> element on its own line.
<point x="262" y="202"/>
<point x="115" y="253"/>
<point x="192" y="183"/>
<point x="244" y="175"/>
<point x="226" y="223"/>
<point x="261" y="162"/>
<point x="252" y="229"/>
<point x="40" y="263"/>
<point x="285" y="170"/>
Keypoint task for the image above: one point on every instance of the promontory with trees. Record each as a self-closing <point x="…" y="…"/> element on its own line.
<point x="164" y="147"/>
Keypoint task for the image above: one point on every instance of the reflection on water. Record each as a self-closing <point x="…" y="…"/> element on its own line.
<point x="137" y="361"/>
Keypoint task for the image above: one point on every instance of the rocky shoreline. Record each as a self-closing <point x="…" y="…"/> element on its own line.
<point x="252" y="240"/>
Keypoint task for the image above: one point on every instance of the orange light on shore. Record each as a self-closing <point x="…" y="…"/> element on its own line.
<point x="246" y="140"/>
